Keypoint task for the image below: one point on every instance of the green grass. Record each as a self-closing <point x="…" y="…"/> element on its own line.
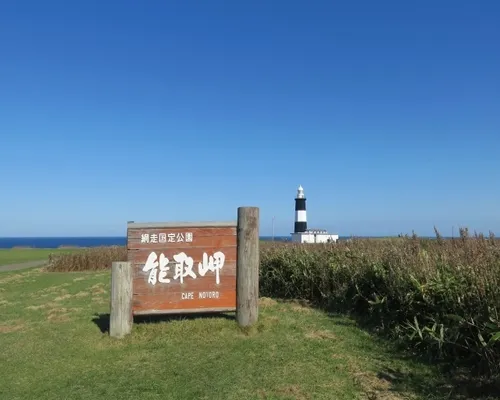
<point x="20" y="255"/>
<point x="52" y="347"/>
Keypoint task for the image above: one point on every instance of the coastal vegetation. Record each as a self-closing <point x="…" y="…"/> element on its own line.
<point x="439" y="298"/>
<point x="87" y="259"/>
<point x="436" y="300"/>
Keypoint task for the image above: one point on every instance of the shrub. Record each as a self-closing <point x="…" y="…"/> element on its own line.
<point x="90" y="259"/>
<point x="440" y="297"/>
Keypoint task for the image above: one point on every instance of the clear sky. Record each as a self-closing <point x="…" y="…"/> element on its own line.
<point x="386" y="112"/>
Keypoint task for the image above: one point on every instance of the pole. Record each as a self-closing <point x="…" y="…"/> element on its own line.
<point x="273" y="228"/>
<point x="247" y="267"/>
<point x="120" y="318"/>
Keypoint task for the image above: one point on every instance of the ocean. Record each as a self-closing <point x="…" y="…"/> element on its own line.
<point x="96" y="241"/>
<point x="55" y="242"/>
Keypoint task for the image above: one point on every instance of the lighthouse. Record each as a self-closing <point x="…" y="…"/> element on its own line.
<point x="300" y="211"/>
<point x="303" y="235"/>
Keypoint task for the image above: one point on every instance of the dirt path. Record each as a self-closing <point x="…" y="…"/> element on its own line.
<point x="24" y="265"/>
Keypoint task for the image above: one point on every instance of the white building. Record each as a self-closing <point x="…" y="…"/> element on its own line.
<point x="303" y="235"/>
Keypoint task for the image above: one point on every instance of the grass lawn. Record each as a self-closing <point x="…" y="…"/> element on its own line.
<point x="13" y="256"/>
<point x="54" y="345"/>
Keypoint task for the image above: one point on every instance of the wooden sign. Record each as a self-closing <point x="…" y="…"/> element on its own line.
<point x="182" y="267"/>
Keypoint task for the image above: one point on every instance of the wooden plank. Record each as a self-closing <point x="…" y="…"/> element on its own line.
<point x="136" y="233"/>
<point x="211" y="241"/>
<point x="170" y="301"/>
<point x="145" y="283"/>
<point x="140" y="255"/>
<point x="190" y="311"/>
<point x="201" y="224"/>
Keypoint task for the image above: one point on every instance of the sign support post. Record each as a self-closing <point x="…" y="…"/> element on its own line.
<point x="247" y="266"/>
<point x="120" y="318"/>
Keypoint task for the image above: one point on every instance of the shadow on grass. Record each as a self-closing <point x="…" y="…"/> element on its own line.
<point x="456" y="379"/>
<point x="458" y="386"/>
<point x="451" y="381"/>
<point x="444" y="379"/>
<point x="102" y="320"/>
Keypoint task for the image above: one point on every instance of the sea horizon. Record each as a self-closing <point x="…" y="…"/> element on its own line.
<point x="54" y="242"/>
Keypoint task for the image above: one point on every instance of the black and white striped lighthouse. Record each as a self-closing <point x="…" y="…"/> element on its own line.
<point x="300" y="211"/>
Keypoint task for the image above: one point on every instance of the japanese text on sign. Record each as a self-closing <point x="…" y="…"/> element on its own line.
<point x="166" y="238"/>
<point x="158" y="267"/>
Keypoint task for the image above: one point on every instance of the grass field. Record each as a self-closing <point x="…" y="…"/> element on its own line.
<point x="13" y="256"/>
<point x="55" y="346"/>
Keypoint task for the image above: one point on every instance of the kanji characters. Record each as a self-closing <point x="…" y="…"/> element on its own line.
<point x="213" y="263"/>
<point x="183" y="267"/>
<point x="151" y="265"/>
<point x="163" y="237"/>
<point x="158" y="267"/>
<point x="162" y="277"/>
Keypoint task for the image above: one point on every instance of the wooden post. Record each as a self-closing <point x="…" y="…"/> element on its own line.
<point x="247" y="266"/>
<point x="121" y="319"/>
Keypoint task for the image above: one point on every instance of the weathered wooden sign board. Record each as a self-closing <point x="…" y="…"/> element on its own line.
<point x="188" y="267"/>
<point x="182" y="267"/>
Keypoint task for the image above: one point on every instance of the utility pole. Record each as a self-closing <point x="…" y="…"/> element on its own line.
<point x="273" y="229"/>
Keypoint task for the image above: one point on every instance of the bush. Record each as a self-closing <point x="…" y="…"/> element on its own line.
<point x="440" y="297"/>
<point x="90" y="259"/>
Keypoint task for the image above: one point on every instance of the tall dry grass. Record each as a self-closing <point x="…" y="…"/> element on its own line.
<point x="90" y="259"/>
<point x="439" y="297"/>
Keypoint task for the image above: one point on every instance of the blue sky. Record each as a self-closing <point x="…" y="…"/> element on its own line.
<point x="386" y="112"/>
